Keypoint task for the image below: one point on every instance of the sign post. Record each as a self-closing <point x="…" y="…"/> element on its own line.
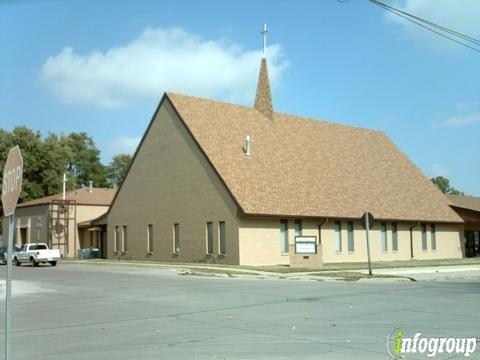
<point x="367" y="223"/>
<point x="11" y="187"/>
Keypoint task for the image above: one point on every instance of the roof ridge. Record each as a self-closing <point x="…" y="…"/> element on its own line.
<point x="171" y="93"/>
<point x="275" y="113"/>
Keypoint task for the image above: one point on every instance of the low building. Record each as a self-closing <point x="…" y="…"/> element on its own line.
<point x="63" y="224"/>
<point x="217" y="182"/>
<point x="468" y="207"/>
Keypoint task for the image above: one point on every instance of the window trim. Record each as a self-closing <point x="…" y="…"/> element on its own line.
<point x="338" y="249"/>
<point x="220" y="252"/>
<point x="150" y="239"/>
<point x="383" y="237"/>
<point x="176" y="238"/>
<point x="208" y="238"/>
<point x="124" y="239"/>
<point x="433" y="237"/>
<point x="300" y="225"/>
<point x="424" y="237"/>
<point x="117" y="242"/>
<point x="350" y="236"/>
<point x="285" y="241"/>
<point x="394" y="237"/>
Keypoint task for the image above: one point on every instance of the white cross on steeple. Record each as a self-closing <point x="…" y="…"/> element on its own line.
<point x="264" y="33"/>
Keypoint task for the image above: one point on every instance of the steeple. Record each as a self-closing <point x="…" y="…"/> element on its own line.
<point x="263" y="99"/>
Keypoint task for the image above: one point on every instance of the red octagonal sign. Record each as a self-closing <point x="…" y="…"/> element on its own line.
<point x="12" y="180"/>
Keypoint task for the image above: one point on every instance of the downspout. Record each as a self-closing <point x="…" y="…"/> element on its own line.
<point x="411" y="238"/>
<point x="320" y="231"/>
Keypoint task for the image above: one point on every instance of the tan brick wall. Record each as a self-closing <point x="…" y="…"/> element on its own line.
<point x="449" y="243"/>
<point x="260" y="242"/>
<point x="171" y="181"/>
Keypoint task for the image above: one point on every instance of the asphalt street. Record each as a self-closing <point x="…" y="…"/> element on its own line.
<point x="80" y="311"/>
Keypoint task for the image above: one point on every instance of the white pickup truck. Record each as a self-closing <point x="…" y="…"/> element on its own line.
<point x="36" y="254"/>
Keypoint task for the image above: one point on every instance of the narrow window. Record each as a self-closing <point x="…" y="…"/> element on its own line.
<point x="320" y="234"/>
<point x="384" y="236"/>
<point x="117" y="238"/>
<point x="284" y="236"/>
<point x="433" y="237"/>
<point x="209" y="238"/>
<point x="338" y="236"/>
<point x="176" y="238"/>
<point x="222" y="237"/>
<point x="150" y="238"/>
<point x="351" y="244"/>
<point x="424" y="237"/>
<point x="298" y="227"/>
<point x="124" y="238"/>
<point x="394" y="237"/>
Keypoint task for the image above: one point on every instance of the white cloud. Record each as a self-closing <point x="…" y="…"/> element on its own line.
<point x="465" y="106"/>
<point x="439" y="170"/>
<point x="461" y="16"/>
<point x="465" y="114"/>
<point x="160" y="59"/>
<point x="460" y="120"/>
<point x="124" y="145"/>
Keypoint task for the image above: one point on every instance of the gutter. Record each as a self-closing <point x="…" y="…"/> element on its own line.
<point x="411" y="238"/>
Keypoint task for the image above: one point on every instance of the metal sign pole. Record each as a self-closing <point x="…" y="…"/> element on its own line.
<point x="8" y="291"/>
<point x="367" y="220"/>
<point x="11" y="188"/>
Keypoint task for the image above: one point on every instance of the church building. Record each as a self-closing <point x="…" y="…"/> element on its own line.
<point x="222" y="183"/>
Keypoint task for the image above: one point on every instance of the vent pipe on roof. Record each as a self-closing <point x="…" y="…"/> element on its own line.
<point x="248" y="145"/>
<point x="90" y="186"/>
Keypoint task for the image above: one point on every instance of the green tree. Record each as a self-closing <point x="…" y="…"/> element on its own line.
<point x="46" y="159"/>
<point x="60" y="156"/>
<point x="85" y="164"/>
<point x="34" y="160"/>
<point x="444" y="185"/>
<point x="117" y="169"/>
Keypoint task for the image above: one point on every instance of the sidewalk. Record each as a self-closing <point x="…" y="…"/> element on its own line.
<point x="464" y="272"/>
<point x="425" y="270"/>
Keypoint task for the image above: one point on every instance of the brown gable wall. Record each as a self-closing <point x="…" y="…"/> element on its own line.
<point x="171" y="181"/>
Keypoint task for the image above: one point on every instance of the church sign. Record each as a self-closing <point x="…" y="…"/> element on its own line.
<point x="305" y="244"/>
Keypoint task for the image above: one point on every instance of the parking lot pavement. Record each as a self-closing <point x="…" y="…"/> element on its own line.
<point x="77" y="311"/>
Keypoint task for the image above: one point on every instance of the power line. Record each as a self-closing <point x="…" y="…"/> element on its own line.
<point x="426" y="24"/>
<point x="431" y="23"/>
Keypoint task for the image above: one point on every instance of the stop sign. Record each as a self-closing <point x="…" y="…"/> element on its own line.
<point x="12" y="180"/>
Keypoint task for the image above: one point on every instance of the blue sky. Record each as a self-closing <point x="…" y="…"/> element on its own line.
<point x="102" y="67"/>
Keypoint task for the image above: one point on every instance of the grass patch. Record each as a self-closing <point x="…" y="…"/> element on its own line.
<point x="284" y="269"/>
<point x="375" y="265"/>
<point x="354" y="276"/>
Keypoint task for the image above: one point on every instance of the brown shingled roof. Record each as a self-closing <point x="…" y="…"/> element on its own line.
<point x="99" y="196"/>
<point x="305" y="167"/>
<point x="465" y="202"/>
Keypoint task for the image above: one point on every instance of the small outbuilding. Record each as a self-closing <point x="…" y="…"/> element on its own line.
<point x="64" y="223"/>
<point x="468" y="207"/>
